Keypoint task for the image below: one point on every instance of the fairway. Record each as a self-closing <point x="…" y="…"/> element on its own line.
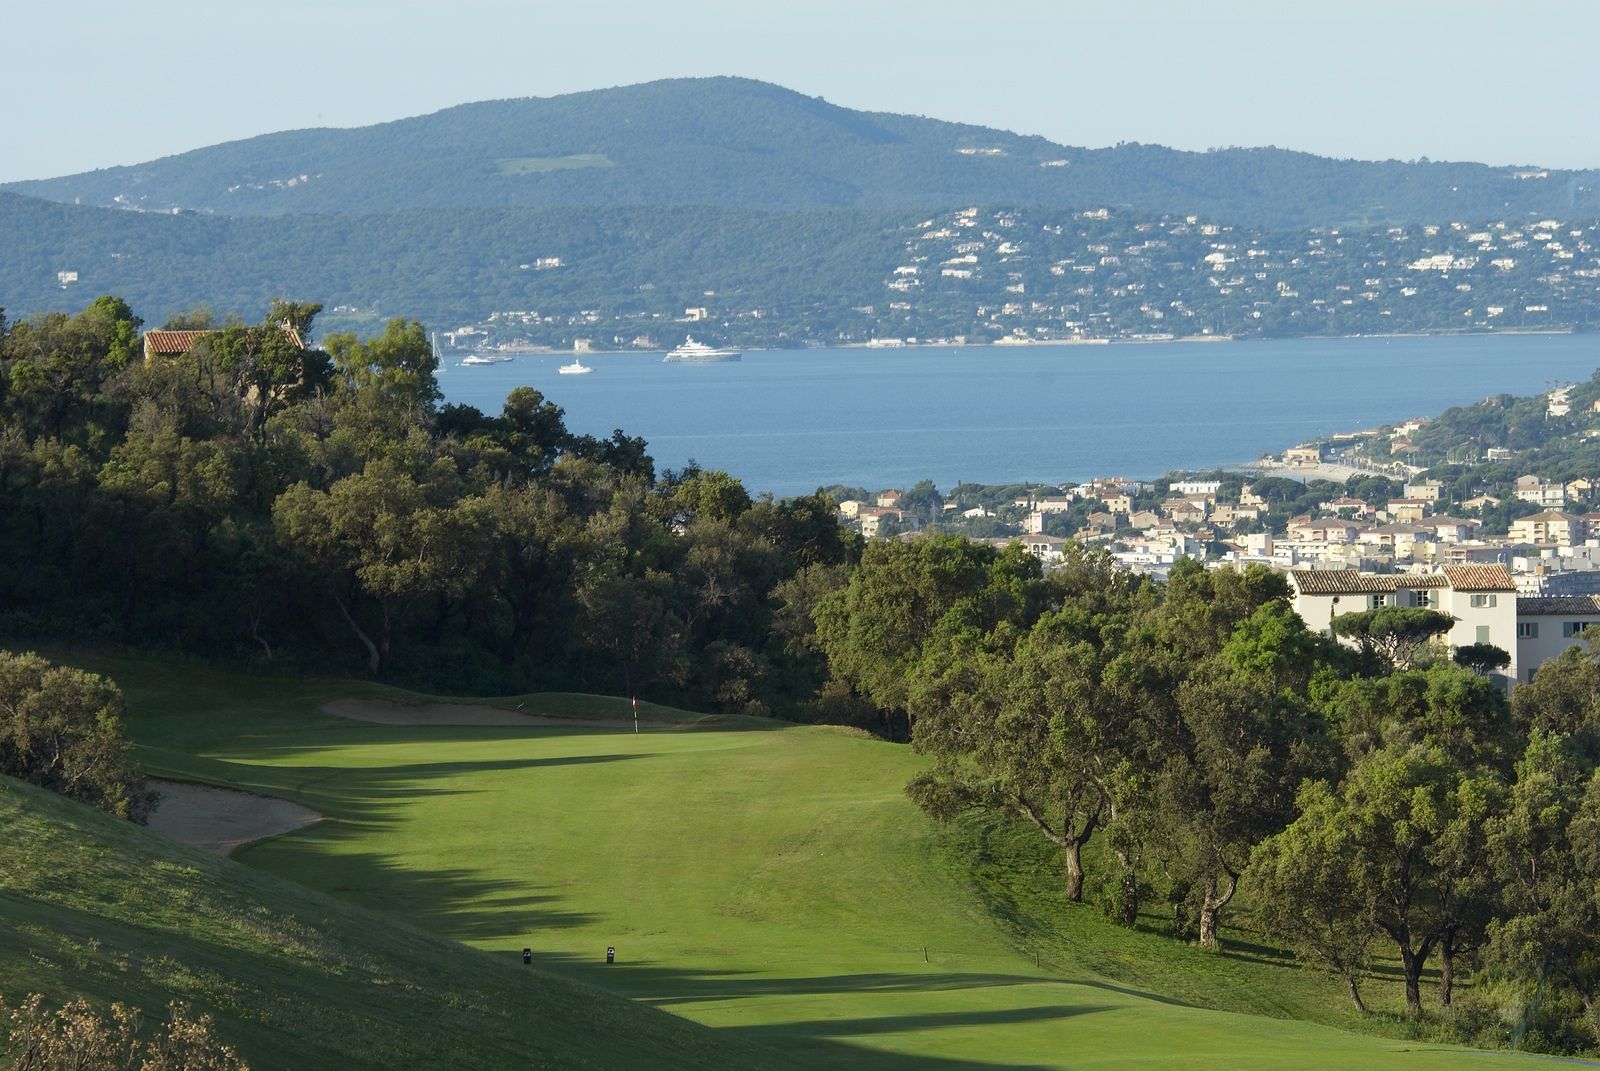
<point x="769" y="881"/>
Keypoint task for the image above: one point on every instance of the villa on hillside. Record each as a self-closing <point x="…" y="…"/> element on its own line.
<point x="177" y="343"/>
<point x="1481" y="598"/>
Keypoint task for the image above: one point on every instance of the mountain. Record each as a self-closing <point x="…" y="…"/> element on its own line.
<point x="737" y="143"/>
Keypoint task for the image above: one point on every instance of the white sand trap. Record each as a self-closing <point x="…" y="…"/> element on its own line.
<point x="220" y="819"/>
<point x="388" y="712"/>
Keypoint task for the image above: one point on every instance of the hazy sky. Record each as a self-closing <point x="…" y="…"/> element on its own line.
<point x="91" y="83"/>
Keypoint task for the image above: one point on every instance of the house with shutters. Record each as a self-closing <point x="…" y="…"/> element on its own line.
<point x="1549" y="624"/>
<point x="1481" y="598"/>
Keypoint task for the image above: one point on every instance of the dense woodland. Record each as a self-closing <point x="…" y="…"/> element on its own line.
<point x="318" y="505"/>
<point x="1183" y="747"/>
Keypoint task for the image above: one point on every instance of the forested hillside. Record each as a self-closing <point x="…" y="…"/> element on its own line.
<point x="731" y="142"/>
<point x="548" y="276"/>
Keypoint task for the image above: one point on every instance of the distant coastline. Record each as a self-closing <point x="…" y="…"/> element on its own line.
<point x="1043" y="343"/>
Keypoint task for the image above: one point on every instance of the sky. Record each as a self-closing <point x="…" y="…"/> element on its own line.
<point x="95" y="83"/>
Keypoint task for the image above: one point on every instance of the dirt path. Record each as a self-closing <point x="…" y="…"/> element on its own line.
<point x="386" y="712"/>
<point x="220" y="819"/>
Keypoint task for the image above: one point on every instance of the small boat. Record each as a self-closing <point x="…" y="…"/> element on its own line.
<point x="692" y="352"/>
<point x="576" y="368"/>
<point x="473" y="359"/>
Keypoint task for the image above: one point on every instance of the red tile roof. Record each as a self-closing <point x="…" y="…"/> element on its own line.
<point x="1479" y="578"/>
<point x="1351" y="582"/>
<point x="172" y="343"/>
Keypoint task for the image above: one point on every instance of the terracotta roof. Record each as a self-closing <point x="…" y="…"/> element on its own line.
<point x="1340" y="581"/>
<point x="1351" y="582"/>
<point x="1558" y="604"/>
<point x="172" y="343"/>
<point x="1479" y="578"/>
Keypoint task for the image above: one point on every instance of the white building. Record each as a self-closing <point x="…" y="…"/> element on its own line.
<point x="1563" y="529"/>
<point x="1548" y="625"/>
<point x="1545" y="493"/>
<point x="1481" y="598"/>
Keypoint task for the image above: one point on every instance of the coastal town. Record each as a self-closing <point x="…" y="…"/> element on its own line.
<point x="1514" y="559"/>
<point x="1014" y="276"/>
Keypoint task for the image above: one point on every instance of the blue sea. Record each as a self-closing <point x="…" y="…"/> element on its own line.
<point x="790" y="421"/>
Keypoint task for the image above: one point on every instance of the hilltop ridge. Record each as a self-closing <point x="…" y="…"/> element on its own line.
<point x="739" y="143"/>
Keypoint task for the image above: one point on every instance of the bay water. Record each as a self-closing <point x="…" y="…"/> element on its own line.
<point x="790" y="421"/>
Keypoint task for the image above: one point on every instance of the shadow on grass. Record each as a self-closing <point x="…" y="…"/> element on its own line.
<point x="821" y="1043"/>
<point x="824" y="1042"/>
<point x="360" y="797"/>
<point x="658" y="984"/>
<point x="357" y="801"/>
<point x="461" y="903"/>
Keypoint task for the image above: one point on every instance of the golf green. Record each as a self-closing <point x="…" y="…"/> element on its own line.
<point x="771" y="881"/>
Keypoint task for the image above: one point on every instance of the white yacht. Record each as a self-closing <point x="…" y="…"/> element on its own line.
<point x="698" y="352"/>
<point x="576" y="368"/>
<point x="473" y="359"/>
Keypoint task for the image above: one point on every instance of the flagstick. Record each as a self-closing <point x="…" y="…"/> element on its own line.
<point x="635" y="713"/>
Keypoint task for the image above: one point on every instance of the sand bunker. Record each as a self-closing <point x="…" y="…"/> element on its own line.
<point x="219" y="819"/>
<point x="387" y="712"/>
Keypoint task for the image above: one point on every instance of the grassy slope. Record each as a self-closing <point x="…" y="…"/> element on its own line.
<point x="770" y="882"/>
<point x="89" y="905"/>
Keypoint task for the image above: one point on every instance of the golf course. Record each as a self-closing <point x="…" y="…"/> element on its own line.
<point x="770" y="882"/>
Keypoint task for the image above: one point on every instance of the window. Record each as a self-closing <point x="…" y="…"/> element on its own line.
<point x="1479" y="601"/>
<point x="1570" y="629"/>
<point x="1483" y="634"/>
<point x="1527" y="630"/>
<point x="1378" y="600"/>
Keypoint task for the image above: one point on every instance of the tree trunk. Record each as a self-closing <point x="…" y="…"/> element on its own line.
<point x="366" y="641"/>
<point x="1411" y="964"/>
<point x="1070" y="840"/>
<point x="1447" y="972"/>
<point x="1355" y="993"/>
<point x="1071" y="856"/>
<point x="255" y="631"/>
<point x="1215" y="898"/>
<point x="1128" y="905"/>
